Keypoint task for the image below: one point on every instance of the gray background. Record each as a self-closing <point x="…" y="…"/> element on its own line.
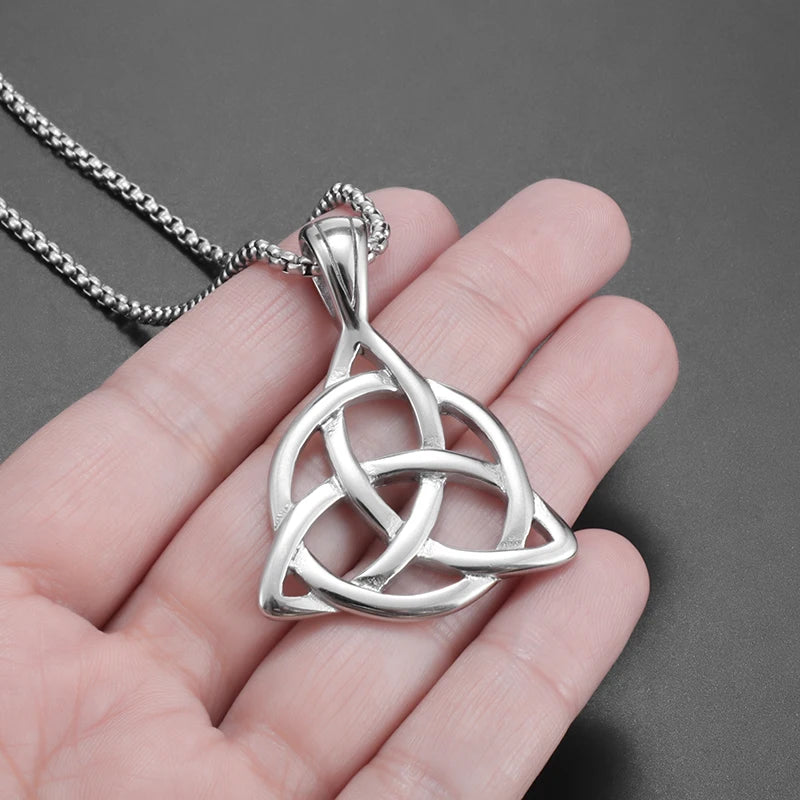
<point x="686" y="112"/>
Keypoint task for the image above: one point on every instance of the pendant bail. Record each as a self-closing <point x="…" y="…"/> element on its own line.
<point x="338" y="246"/>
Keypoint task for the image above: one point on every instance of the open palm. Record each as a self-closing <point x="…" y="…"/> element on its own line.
<point x="134" y="661"/>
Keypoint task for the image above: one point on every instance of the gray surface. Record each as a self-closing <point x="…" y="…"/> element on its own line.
<point x="686" y="112"/>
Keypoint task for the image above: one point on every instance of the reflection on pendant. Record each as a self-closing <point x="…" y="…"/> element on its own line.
<point x="339" y="247"/>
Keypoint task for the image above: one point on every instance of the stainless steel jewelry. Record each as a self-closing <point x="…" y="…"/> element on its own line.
<point x="339" y="246"/>
<point x="186" y="238"/>
<point x="335" y="254"/>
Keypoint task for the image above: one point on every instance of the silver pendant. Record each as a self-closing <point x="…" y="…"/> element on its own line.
<point x="338" y="245"/>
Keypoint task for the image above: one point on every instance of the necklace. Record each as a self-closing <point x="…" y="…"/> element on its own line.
<point x="335" y="255"/>
<point x="186" y="238"/>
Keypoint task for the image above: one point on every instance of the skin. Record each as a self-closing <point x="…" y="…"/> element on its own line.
<point x="134" y="661"/>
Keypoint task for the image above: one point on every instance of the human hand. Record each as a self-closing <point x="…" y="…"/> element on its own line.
<point x="133" y="530"/>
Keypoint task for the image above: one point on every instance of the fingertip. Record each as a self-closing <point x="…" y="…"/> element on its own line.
<point x="417" y="215"/>
<point x="618" y="573"/>
<point x="594" y="217"/>
<point x="634" y="331"/>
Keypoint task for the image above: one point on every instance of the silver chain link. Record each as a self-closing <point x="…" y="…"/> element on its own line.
<point x="186" y="238"/>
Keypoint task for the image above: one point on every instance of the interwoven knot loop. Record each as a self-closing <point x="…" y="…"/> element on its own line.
<point x="339" y="247"/>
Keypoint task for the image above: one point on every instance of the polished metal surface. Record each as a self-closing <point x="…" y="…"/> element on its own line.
<point x="117" y="185"/>
<point x="339" y="247"/>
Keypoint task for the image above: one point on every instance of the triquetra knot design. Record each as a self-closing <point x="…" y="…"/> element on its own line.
<point x="339" y="247"/>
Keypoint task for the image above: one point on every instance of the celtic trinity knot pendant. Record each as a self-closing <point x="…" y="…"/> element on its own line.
<point x="339" y="247"/>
